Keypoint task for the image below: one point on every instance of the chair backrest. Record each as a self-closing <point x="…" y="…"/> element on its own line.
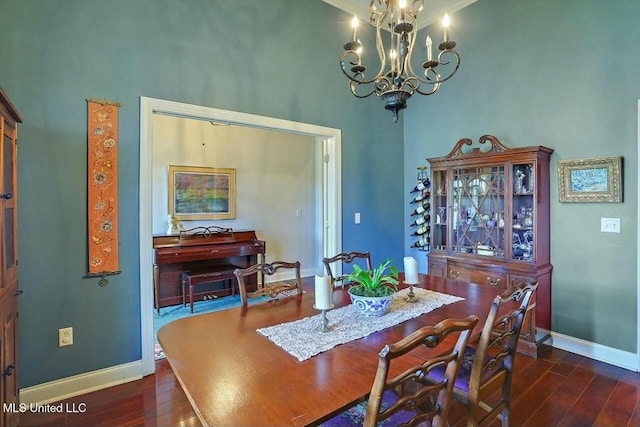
<point x="492" y="367"/>
<point x="269" y="289"/>
<point x="347" y="258"/>
<point x="422" y="402"/>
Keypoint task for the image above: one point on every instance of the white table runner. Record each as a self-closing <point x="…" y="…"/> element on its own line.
<point x="303" y="338"/>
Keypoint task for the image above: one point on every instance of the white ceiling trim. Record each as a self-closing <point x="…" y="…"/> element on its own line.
<point x="434" y="9"/>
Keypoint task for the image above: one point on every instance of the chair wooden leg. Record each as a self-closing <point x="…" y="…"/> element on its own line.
<point x="184" y="291"/>
<point x="191" y="295"/>
<point x="156" y="290"/>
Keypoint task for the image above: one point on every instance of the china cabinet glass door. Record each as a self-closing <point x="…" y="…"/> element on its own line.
<point x="440" y="217"/>
<point x="523" y="212"/>
<point x="478" y="211"/>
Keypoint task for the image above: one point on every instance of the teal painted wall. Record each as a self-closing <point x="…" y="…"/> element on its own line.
<point x="264" y="57"/>
<point x="564" y="74"/>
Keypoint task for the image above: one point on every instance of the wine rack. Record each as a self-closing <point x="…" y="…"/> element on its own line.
<point x="421" y="211"/>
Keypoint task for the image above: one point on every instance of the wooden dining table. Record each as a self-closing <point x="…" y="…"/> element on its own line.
<point x="234" y="376"/>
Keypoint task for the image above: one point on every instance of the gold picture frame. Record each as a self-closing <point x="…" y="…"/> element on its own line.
<point x="197" y="193"/>
<point x="597" y="180"/>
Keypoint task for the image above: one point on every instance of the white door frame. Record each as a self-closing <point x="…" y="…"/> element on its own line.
<point x="329" y="140"/>
<point x="638" y="251"/>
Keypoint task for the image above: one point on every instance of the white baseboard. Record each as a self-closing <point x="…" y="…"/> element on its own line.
<point x="613" y="356"/>
<point x="76" y="385"/>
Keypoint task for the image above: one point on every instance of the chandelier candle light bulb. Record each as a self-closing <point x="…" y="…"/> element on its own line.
<point x="445" y="25"/>
<point x="429" y="52"/>
<point x="354" y="25"/>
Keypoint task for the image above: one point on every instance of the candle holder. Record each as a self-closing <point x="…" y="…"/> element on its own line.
<point x="324" y="323"/>
<point x="411" y="296"/>
<point x="411" y="276"/>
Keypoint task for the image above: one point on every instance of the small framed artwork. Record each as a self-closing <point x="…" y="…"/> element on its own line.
<point x="202" y="193"/>
<point x="590" y="180"/>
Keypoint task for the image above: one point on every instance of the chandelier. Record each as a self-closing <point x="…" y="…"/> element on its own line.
<point x="396" y="79"/>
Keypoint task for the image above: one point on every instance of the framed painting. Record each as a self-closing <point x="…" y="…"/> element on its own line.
<point x="590" y="180"/>
<point x="202" y="193"/>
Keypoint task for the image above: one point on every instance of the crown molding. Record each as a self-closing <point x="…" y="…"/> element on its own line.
<point x="434" y="9"/>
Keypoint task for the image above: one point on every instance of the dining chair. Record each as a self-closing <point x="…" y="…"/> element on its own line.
<point x="402" y="400"/>
<point x="348" y="258"/>
<point x="272" y="289"/>
<point x="484" y="380"/>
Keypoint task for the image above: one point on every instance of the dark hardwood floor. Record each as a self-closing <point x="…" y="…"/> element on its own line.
<point x="557" y="389"/>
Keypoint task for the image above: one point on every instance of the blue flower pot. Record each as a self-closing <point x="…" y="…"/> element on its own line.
<point x="371" y="306"/>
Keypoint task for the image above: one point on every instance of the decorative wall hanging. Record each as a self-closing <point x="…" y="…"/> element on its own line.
<point x="102" y="187"/>
<point x="590" y="180"/>
<point x="202" y="193"/>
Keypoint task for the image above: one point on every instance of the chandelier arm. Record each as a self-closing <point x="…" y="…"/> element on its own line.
<point x="434" y="82"/>
<point x="377" y="16"/>
<point x="356" y="77"/>
<point x="457" y="57"/>
<point x="410" y="84"/>
<point x="383" y="84"/>
<point x="439" y="78"/>
<point x="407" y="69"/>
<point x="352" y="86"/>
<point x="381" y="53"/>
<point x="434" y="90"/>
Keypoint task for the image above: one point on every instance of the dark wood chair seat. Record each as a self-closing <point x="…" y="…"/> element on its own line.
<point x="218" y="273"/>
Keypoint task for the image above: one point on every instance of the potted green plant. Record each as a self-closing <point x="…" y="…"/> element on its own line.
<point x="372" y="291"/>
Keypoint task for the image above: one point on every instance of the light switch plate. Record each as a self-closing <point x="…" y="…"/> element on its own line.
<point x="610" y="225"/>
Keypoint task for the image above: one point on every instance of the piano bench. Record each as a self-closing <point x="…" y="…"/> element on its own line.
<point x="217" y="273"/>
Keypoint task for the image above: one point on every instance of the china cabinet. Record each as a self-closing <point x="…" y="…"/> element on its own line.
<point x="490" y="223"/>
<point x="9" y="118"/>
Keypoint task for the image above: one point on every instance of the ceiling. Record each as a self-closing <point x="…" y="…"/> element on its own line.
<point x="433" y="11"/>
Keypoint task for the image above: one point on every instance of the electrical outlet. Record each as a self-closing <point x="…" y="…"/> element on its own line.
<point x="357" y="218"/>
<point x="65" y="337"/>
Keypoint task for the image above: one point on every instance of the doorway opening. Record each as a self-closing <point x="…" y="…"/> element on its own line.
<point x="328" y="155"/>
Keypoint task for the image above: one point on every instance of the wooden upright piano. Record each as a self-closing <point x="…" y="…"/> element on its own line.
<point x="199" y="249"/>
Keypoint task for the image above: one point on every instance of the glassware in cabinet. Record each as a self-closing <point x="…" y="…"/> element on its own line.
<point x="478" y="211"/>
<point x="440" y="215"/>
<point x="523" y="215"/>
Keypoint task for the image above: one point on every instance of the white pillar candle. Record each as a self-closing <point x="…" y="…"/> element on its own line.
<point x="410" y="270"/>
<point x="323" y="293"/>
